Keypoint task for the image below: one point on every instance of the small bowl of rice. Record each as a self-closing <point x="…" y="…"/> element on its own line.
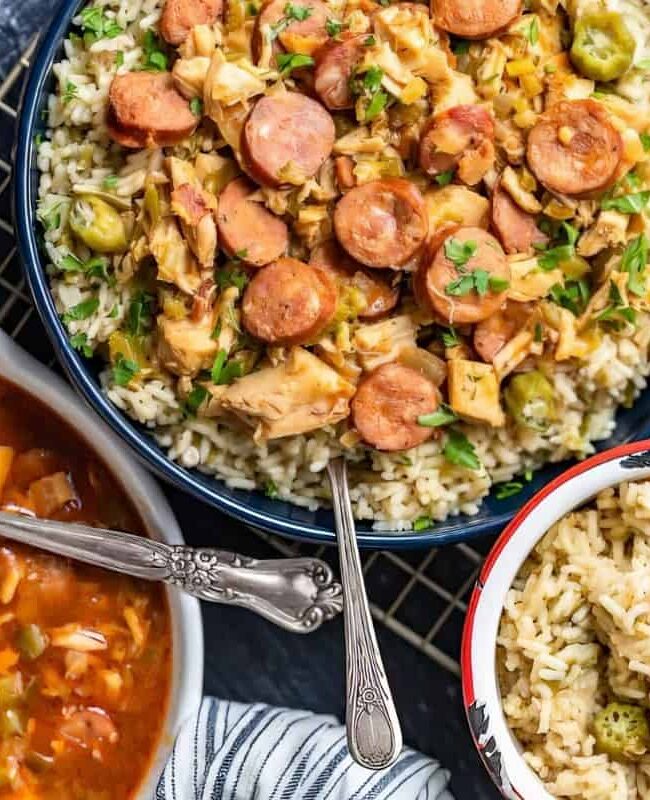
<point x="556" y="647"/>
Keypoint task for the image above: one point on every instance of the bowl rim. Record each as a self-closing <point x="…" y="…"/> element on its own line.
<point x="496" y="745"/>
<point x="208" y="489"/>
<point x="19" y="368"/>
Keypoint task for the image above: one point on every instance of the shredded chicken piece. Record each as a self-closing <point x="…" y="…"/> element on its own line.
<point x="609" y="230"/>
<point x="75" y="637"/>
<point x="176" y="263"/>
<point x="474" y="392"/>
<point x="301" y="394"/>
<point x="185" y="347"/>
<point x="381" y="342"/>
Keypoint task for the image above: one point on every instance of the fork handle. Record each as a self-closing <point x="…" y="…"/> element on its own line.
<point x="298" y="594"/>
<point x="373" y="729"/>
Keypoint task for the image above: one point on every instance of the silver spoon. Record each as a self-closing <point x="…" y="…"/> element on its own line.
<point x="373" y="729"/>
<point x="297" y="594"/>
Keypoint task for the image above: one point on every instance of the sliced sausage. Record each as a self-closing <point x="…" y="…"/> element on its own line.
<point x="474" y="19"/>
<point x="286" y="133"/>
<point x="248" y="229"/>
<point x="89" y="728"/>
<point x="459" y="304"/>
<point x="492" y="334"/>
<point x="574" y="149"/>
<point x="180" y="16"/>
<point x="145" y="110"/>
<point x="287" y="31"/>
<point x="383" y="223"/>
<point x="335" y="65"/>
<point x="288" y="302"/>
<point x="344" y="170"/>
<point x="515" y="227"/>
<point x="460" y="138"/>
<point x="380" y="296"/>
<point x="387" y="405"/>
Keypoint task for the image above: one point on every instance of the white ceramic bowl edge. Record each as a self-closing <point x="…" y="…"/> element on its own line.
<point x="19" y="368"/>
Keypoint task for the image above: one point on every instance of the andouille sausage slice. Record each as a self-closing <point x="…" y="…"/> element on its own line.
<point x="574" y="149"/>
<point x="387" y="405"/>
<point x="248" y="229"/>
<point x="335" y="64"/>
<point x="288" y="302"/>
<point x="180" y="16"/>
<point x="451" y="287"/>
<point x="382" y="223"/>
<point x="145" y="110"/>
<point x="515" y="227"/>
<point x="492" y="334"/>
<point x="460" y="138"/>
<point x="474" y="19"/>
<point x="286" y="133"/>
<point x="306" y="23"/>
<point x="381" y="297"/>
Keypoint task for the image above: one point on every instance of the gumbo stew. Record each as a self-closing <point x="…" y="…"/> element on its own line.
<point x="85" y="655"/>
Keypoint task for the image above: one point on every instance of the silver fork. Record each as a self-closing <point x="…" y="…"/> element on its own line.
<point x="373" y="729"/>
<point x="297" y="594"/>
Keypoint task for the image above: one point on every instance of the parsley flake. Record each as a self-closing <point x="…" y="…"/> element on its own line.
<point x="124" y="370"/>
<point x="458" y="450"/>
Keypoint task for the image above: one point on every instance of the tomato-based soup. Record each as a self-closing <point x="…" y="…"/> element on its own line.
<point x="85" y="655"/>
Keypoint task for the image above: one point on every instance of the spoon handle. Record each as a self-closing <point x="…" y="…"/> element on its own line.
<point x="298" y="594"/>
<point x="374" y="734"/>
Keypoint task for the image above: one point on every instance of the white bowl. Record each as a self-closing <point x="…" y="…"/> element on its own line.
<point x="19" y="368"/>
<point x="497" y="746"/>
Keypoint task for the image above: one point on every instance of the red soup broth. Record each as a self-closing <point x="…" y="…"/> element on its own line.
<point x="85" y="655"/>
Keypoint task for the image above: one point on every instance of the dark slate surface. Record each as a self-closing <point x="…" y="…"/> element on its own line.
<point x="249" y="660"/>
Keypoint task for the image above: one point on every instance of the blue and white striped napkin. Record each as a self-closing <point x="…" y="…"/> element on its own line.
<point x="230" y="751"/>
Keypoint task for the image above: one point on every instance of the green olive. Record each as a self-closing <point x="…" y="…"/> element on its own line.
<point x="621" y="731"/>
<point x="98" y="225"/>
<point x="603" y="47"/>
<point x="575" y="267"/>
<point x="530" y="400"/>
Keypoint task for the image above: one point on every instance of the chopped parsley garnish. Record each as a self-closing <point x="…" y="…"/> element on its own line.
<point x="627" y="203"/>
<point x="140" y="313"/>
<point x="645" y="141"/>
<point x="509" y="489"/>
<point x="334" y="27"/>
<point x="479" y="281"/>
<point x="119" y="59"/>
<point x="287" y="62"/>
<point x="573" y="295"/>
<point x="369" y="41"/>
<point x="616" y="311"/>
<point x="549" y="259"/>
<point x="80" y="342"/>
<point x="450" y="338"/>
<point x="124" y="370"/>
<point x="83" y="310"/>
<point x="219" y="361"/>
<point x="292" y="13"/>
<point x="271" y="489"/>
<point x="216" y="333"/>
<point x="538" y="334"/>
<point x="441" y="416"/>
<point x="532" y="31"/>
<point x="110" y="182"/>
<point x="458" y="450"/>
<point x="50" y="218"/>
<point x="459" y="253"/>
<point x="368" y="85"/>
<point x="195" y="399"/>
<point x="445" y="178"/>
<point x="634" y="261"/>
<point x="97" y="25"/>
<point x="196" y="106"/>
<point x="422" y="523"/>
<point x="70" y="92"/>
<point x="95" y="267"/>
<point x="155" y="57"/>
<point x="231" y="276"/>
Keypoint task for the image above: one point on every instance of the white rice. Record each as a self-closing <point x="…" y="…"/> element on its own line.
<point x="393" y="490"/>
<point x="574" y="636"/>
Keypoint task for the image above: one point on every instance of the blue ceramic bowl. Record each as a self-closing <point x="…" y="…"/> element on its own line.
<point x="252" y="508"/>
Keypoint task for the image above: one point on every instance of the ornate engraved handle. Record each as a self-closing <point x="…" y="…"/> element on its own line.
<point x="374" y="734"/>
<point x="298" y="594"/>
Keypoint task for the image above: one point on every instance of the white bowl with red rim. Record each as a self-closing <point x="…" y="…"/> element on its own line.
<point x="497" y="746"/>
<point x="29" y="376"/>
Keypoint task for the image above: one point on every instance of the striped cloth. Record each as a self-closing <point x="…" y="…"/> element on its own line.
<point x="230" y="751"/>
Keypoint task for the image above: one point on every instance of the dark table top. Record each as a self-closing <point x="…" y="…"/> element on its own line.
<point x="247" y="659"/>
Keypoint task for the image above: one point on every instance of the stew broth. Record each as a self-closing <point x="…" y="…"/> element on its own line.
<point x="85" y="655"/>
